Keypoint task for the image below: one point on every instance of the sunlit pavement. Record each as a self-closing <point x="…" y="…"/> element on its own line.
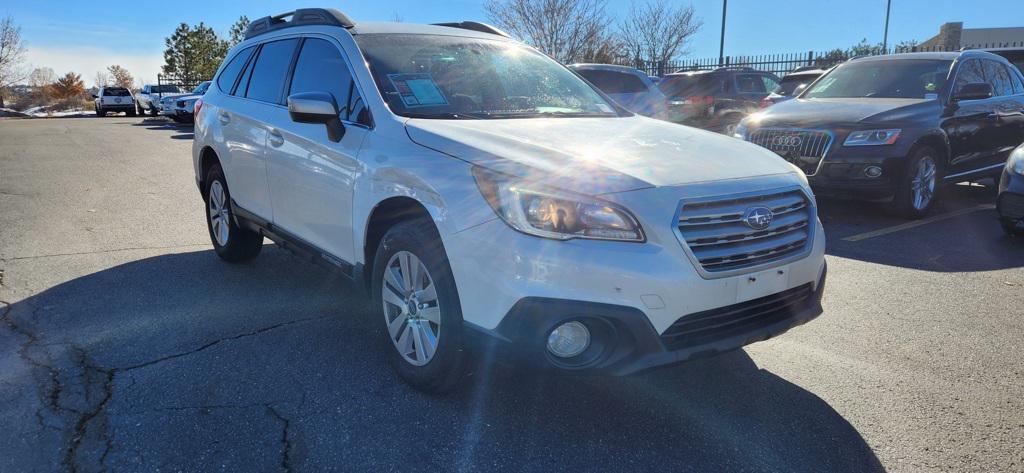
<point x="128" y="346"/>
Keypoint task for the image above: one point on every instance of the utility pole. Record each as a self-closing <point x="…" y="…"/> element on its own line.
<point x="885" y="37"/>
<point x="721" y="44"/>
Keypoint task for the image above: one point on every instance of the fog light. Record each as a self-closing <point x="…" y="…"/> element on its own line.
<point x="873" y="171"/>
<point x="568" y="340"/>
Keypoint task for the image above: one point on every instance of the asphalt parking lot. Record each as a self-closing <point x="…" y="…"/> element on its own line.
<point x="126" y="345"/>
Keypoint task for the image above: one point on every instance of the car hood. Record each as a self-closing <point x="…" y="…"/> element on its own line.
<point x="597" y="155"/>
<point x="813" y="113"/>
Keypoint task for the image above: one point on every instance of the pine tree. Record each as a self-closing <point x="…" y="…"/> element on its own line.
<point x="193" y="54"/>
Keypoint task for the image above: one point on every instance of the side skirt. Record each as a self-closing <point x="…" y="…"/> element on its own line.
<point x="296" y="245"/>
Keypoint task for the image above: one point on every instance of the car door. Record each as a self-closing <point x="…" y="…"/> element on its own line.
<point x="243" y="122"/>
<point x="1008" y="107"/>
<point x="969" y="124"/>
<point x="312" y="177"/>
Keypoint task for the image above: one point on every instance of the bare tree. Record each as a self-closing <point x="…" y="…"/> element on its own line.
<point x="102" y="79"/>
<point x="41" y="80"/>
<point x="12" y="55"/>
<point x="120" y="76"/>
<point x="657" y="32"/>
<point x="563" y="29"/>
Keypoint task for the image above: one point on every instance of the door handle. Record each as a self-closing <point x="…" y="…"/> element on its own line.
<point x="275" y="138"/>
<point x="224" y="118"/>
<point x="992" y="116"/>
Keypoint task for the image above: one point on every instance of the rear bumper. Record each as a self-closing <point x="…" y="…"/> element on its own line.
<point x="625" y="342"/>
<point x="119" y="107"/>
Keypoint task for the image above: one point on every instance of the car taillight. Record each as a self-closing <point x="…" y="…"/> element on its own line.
<point x="701" y="100"/>
<point x="766" y="102"/>
<point x="195" y="109"/>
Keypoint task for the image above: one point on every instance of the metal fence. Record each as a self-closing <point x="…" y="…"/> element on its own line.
<point x="780" y="64"/>
<point x="185" y="83"/>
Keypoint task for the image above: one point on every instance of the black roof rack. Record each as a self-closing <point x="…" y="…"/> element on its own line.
<point x="300" y="17"/>
<point x="475" y="26"/>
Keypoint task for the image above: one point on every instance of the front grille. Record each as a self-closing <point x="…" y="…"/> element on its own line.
<point x="737" y="319"/>
<point x="720" y="239"/>
<point x="804" y="148"/>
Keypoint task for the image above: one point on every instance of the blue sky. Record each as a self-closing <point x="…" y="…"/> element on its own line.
<point x="85" y="36"/>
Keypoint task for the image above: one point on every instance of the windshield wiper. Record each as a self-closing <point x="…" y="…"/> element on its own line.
<point x="442" y="116"/>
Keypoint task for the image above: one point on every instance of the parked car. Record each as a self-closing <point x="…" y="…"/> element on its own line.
<point x="1010" y="203"/>
<point x="627" y="86"/>
<point x="180" y="108"/>
<point x="894" y="128"/>
<point x="113" y="99"/>
<point x="148" y="99"/>
<point x="790" y="85"/>
<point x="481" y="191"/>
<point x="1014" y="55"/>
<point x="716" y="100"/>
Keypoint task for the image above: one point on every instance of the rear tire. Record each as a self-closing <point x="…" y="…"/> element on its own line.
<point x="231" y="242"/>
<point x="130" y="113"/>
<point x="153" y="111"/>
<point x="919" y="187"/>
<point x="100" y="112"/>
<point x="414" y="287"/>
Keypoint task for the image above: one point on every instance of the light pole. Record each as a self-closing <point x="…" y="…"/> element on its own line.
<point x="721" y="43"/>
<point x="885" y="37"/>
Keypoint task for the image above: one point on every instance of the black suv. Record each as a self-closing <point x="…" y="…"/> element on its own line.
<point x="893" y="128"/>
<point x="716" y="100"/>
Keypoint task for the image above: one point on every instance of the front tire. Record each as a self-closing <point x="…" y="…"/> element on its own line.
<point x="231" y="242"/>
<point x="918" y="189"/>
<point x="414" y="286"/>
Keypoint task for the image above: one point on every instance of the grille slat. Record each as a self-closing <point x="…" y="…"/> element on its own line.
<point x="720" y="240"/>
<point x="804" y="148"/>
<point x="703" y="327"/>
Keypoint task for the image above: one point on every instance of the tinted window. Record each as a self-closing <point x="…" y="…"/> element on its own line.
<point x="611" y="82"/>
<point x="971" y="72"/>
<point x="115" y="92"/>
<point x="320" y="68"/>
<point x="226" y="79"/>
<point x="166" y="89"/>
<point x="1018" y="86"/>
<point x="755" y="83"/>
<point x="688" y="85"/>
<point x="270" y="71"/>
<point x="996" y="75"/>
<point x="789" y="83"/>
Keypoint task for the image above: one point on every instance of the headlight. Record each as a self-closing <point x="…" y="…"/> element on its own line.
<point x="551" y="213"/>
<point x="1016" y="162"/>
<point x="741" y="131"/>
<point x="872" y="137"/>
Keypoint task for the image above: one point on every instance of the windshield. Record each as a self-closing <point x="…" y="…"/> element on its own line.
<point x="166" y="89"/>
<point x="892" y="78"/>
<point x="201" y="88"/>
<point x="449" y="77"/>
<point x="791" y="82"/>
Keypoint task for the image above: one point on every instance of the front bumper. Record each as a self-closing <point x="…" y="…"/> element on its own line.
<point x="511" y="284"/>
<point x="1010" y="203"/>
<point x="624" y="342"/>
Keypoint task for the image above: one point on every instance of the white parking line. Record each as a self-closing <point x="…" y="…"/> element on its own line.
<point x="917" y="223"/>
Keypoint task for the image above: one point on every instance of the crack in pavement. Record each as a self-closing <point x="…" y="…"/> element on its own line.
<point x="115" y="250"/>
<point x="286" y="444"/>
<point x="51" y="390"/>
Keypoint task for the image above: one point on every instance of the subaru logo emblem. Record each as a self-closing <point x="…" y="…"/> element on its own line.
<point x="758" y="218"/>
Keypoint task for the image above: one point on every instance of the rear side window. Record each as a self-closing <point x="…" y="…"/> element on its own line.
<point x="755" y="83"/>
<point x="686" y="86"/>
<point x="320" y="68"/>
<point x="270" y="71"/>
<point x="116" y="92"/>
<point x="611" y="82"/>
<point x="227" y="78"/>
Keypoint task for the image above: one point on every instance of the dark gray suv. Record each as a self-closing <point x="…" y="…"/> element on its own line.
<point x="716" y="100"/>
<point x="894" y="128"/>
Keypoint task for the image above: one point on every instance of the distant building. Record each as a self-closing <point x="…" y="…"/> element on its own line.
<point x="953" y="36"/>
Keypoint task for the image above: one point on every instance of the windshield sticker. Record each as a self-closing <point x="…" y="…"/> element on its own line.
<point x="417" y="90"/>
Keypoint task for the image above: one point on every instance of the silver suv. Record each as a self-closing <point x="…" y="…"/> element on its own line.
<point x="480" y="191"/>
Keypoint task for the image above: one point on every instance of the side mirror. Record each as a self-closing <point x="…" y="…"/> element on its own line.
<point x="317" y="107"/>
<point x="95" y="96"/>
<point x="974" y="91"/>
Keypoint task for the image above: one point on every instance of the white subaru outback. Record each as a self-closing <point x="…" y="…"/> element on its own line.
<point x="482" y="191"/>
